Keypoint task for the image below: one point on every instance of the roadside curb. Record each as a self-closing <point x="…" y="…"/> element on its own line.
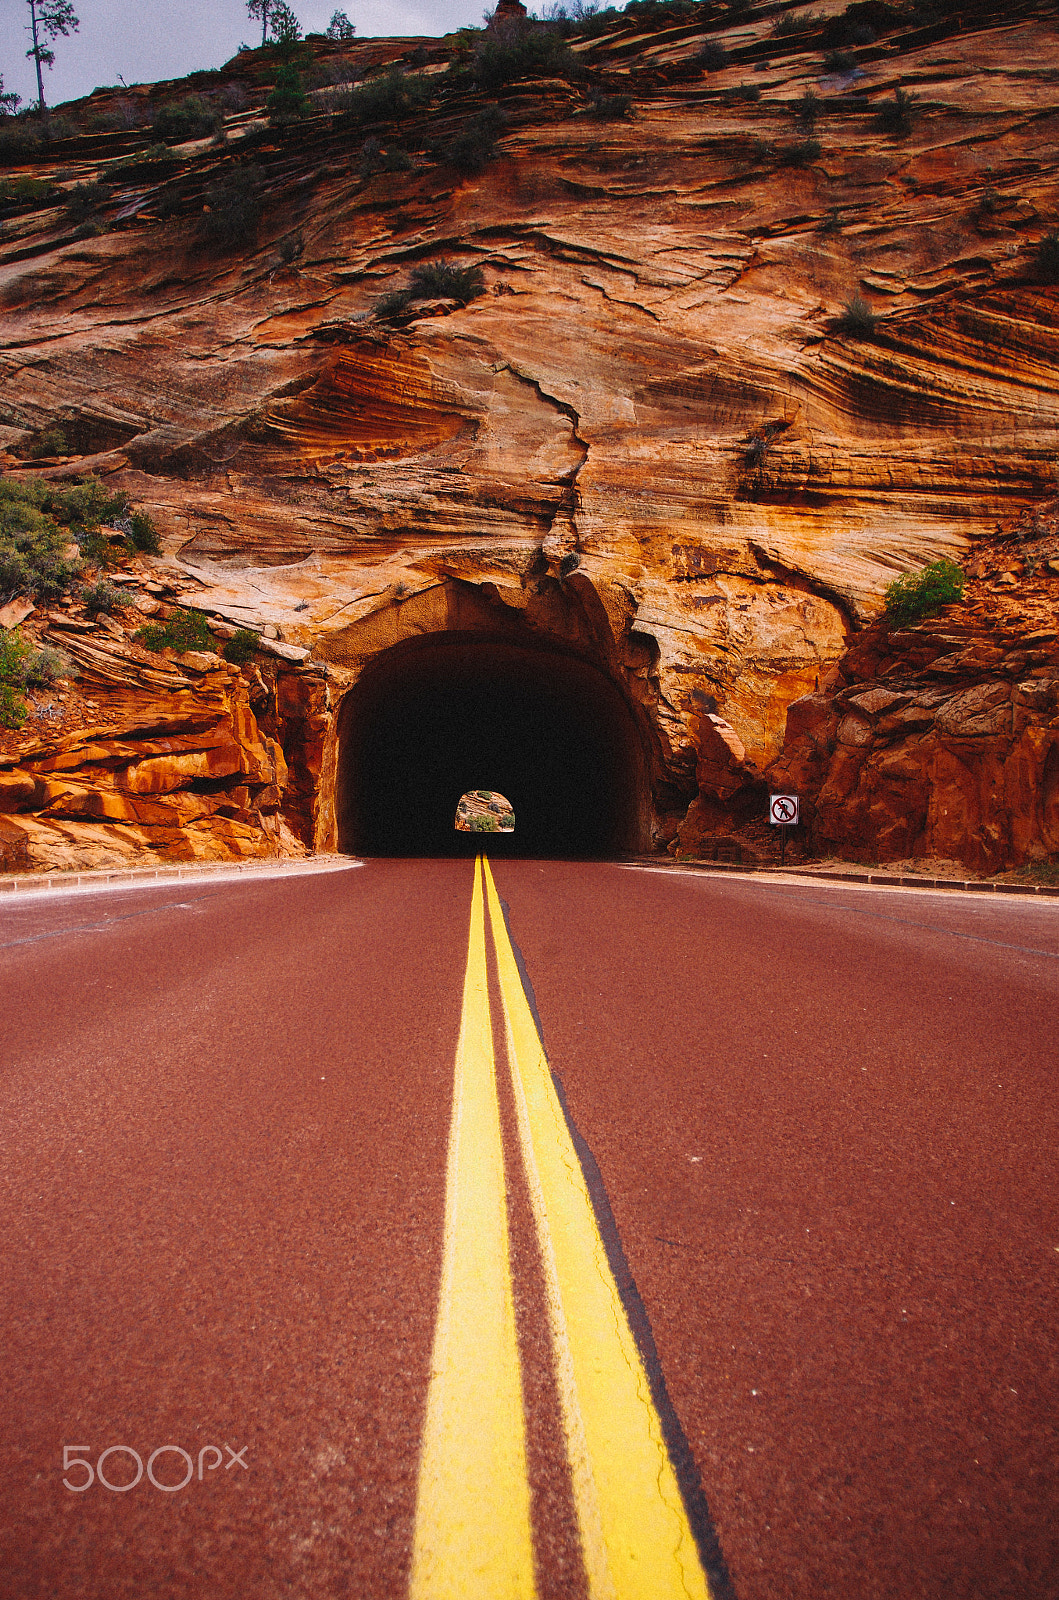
<point x="881" y="879"/>
<point x="14" y="881"/>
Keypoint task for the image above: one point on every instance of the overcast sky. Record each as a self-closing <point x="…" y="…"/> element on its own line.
<point x="144" y="40"/>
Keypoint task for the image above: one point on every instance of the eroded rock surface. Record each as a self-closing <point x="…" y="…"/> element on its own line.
<point x="644" y="444"/>
<point x="942" y="739"/>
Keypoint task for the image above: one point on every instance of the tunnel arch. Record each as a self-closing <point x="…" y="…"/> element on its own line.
<point x="435" y="716"/>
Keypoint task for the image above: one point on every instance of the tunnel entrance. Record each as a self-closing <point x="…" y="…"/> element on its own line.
<point x="552" y="733"/>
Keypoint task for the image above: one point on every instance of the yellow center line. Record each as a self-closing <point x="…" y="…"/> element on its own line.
<point x="472" y="1532"/>
<point x="637" y="1540"/>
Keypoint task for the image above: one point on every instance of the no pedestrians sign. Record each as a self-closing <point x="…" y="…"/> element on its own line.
<point x="783" y="810"/>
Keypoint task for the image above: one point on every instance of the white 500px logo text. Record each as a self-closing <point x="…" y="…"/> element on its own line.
<point x="209" y="1458"/>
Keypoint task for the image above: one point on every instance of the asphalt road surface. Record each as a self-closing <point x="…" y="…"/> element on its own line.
<point x="325" y="1282"/>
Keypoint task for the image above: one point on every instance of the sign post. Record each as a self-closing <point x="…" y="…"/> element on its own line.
<point x="783" y="813"/>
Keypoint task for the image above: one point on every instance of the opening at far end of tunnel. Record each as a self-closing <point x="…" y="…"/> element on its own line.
<point x="432" y="720"/>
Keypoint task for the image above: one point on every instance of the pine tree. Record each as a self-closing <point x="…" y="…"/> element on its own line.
<point x="340" y="28"/>
<point x="48" y="19"/>
<point x="262" y="9"/>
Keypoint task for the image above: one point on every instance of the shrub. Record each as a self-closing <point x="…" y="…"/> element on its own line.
<point x="291" y="248"/>
<point x="807" y="109"/>
<point x="142" y="534"/>
<point x="896" y="116"/>
<point x="712" y="57"/>
<point x="26" y="193"/>
<point x="484" y="825"/>
<point x="103" y="596"/>
<point x="609" y="107"/>
<point x="157" y="161"/>
<point x="439" y="280"/>
<point x="86" y="505"/>
<point x="22" y="667"/>
<point x="1046" y="261"/>
<point x="839" y="61"/>
<point x="49" y="442"/>
<point x="84" y="200"/>
<point x="241" y="647"/>
<point x="858" y="319"/>
<point x="184" y="630"/>
<point x="801" y="155"/>
<point x="387" y="98"/>
<point x="516" y="51"/>
<point x="234" y="208"/>
<point x="190" y="118"/>
<point x="748" y="92"/>
<point x="20" y="140"/>
<point x="793" y="22"/>
<point x="375" y="159"/>
<point x="288" y="101"/>
<point x="475" y="145"/>
<point x="32" y="544"/>
<point x="920" y="594"/>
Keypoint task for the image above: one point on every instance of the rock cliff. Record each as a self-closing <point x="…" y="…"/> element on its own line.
<point x="647" y="446"/>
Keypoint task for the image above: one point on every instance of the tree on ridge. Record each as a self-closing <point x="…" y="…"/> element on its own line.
<point x="47" y="20"/>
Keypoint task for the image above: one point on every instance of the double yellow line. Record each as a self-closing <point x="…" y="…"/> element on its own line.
<point x="473" y="1534"/>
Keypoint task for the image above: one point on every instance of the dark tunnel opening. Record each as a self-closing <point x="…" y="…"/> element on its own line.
<point x="433" y="718"/>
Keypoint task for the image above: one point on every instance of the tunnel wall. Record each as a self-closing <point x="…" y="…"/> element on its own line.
<point x="433" y="717"/>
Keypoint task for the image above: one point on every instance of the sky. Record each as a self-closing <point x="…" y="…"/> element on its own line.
<point x="144" y="40"/>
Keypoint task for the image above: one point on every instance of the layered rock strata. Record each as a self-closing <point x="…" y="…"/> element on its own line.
<point x="644" y="445"/>
<point x="942" y="739"/>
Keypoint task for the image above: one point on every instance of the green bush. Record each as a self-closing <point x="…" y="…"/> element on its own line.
<point x="434" y="280"/>
<point x="1047" y="258"/>
<point x="234" y="208"/>
<point x="288" y="101"/>
<point x="712" y="57"/>
<point x="21" y="668"/>
<point x="84" y="200"/>
<point x="793" y="22"/>
<point x="807" y="109"/>
<point x="742" y="92"/>
<point x="103" y="597"/>
<point x="27" y="193"/>
<point x="143" y="535"/>
<point x="858" y="320"/>
<point x="387" y="98"/>
<point x="839" y="61"/>
<point x="484" y="825"/>
<point x="49" y="442"/>
<point x="87" y="505"/>
<point x="896" y="116"/>
<point x="518" y="51"/>
<point x="241" y="647"/>
<point x="190" y="118"/>
<point x="920" y="594"/>
<point x="32" y="543"/>
<point x="185" y="630"/>
<point x="157" y="161"/>
<point x="374" y="159"/>
<point x="20" y="140"/>
<point x="802" y="154"/>
<point x="609" y="107"/>
<point x="475" y="144"/>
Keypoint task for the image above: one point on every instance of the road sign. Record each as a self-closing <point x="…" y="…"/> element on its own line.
<point x="783" y="809"/>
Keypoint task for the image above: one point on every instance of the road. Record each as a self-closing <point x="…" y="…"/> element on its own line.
<point x="786" y="1215"/>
